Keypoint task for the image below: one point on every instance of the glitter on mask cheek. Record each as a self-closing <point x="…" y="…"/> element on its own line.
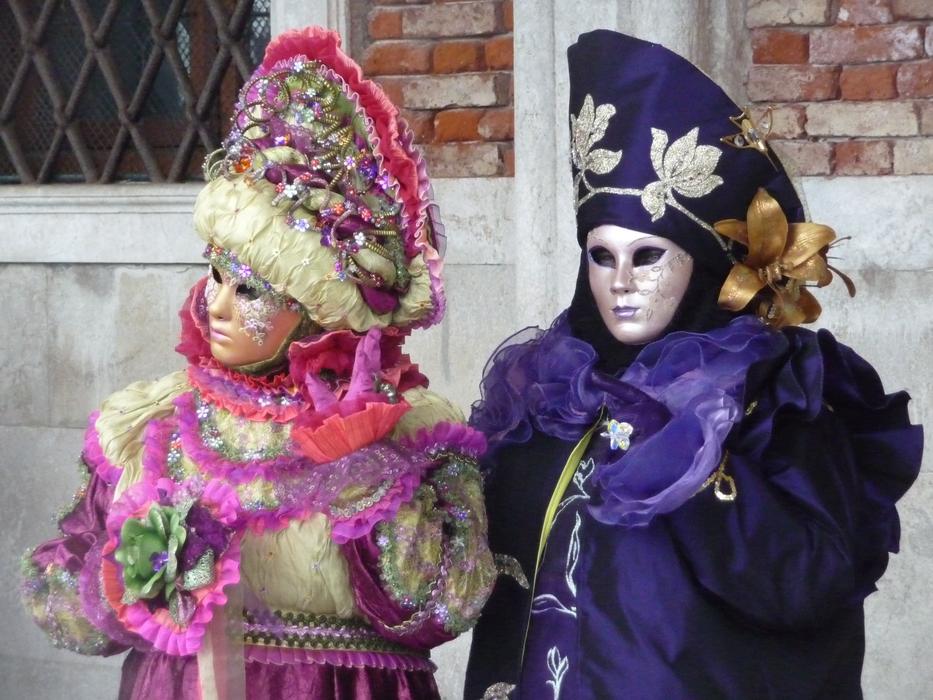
<point x="255" y="316"/>
<point x="655" y="282"/>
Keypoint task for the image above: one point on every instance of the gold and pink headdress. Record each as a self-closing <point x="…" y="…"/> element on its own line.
<point x="319" y="191"/>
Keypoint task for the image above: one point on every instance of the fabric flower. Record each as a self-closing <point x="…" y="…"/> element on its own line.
<point x="148" y="552"/>
<point x="172" y="549"/>
<point x="781" y="257"/>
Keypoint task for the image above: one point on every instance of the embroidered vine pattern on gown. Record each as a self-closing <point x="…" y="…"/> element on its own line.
<point x="558" y="664"/>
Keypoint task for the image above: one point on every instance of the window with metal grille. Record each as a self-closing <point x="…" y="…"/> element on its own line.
<point x="108" y="90"/>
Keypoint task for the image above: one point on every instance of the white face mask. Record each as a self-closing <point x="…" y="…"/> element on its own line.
<point x="638" y="281"/>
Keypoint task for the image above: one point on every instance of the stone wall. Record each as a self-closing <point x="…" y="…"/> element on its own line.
<point x="94" y="276"/>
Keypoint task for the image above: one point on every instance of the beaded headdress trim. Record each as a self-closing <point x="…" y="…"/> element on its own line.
<point x="338" y="180"/>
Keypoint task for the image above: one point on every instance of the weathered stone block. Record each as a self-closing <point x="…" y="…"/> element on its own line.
<point x="913" y="156"/>
<point x="457" y="125"/>
<point x="805" y="157"/>
<point x="397" y="58"/>
<point x="463" y="159"/>
<point x="110" y="326"/>
<point x="780" y="46"/>
<point x="478" y="220"/>
<point x="499" y="52"/>
<point x="766" y="13"/>
<point x="862" y="158"/>
<point x="787" y="121"/>
<point x="912" y="9"/>
<point x="444" y="91"/>
<point x="24" y="345"/>
<point x="458" y="56"/>
<point x="861" y="119"/>
<point x="916" y="79"/>
<point x="863" y="12"/>
<point x="455" y="19"/>
<point x="870" y="82"/>
<point x="497" y="124"/>
<point x="901" y="42"/>
<point x="792" y="83"/>
<point x="385" y="23"/>
<point x="926" y="117"/>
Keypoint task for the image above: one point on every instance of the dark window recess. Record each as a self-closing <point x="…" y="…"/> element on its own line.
<point x="106" y="90"/>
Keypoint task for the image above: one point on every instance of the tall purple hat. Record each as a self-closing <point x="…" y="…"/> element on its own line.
<point x="658" y="147"/>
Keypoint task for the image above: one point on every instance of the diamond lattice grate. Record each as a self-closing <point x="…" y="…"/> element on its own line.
<point x="106" y="90"/>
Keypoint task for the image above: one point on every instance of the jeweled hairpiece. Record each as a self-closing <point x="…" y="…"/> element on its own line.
<point x="751" y="134"/>
<point x="297" y="127"/>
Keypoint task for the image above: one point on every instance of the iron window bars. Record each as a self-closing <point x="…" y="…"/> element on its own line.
<point x="105" y="90"/>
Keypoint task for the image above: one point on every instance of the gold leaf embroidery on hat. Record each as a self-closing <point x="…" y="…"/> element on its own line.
<point x="683" y="168"/>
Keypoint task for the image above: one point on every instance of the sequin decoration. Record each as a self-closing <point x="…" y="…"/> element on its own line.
<point x="683" y="168"/>
<point x="509" y="566"/>
<point x="240" y="439"/>
<point x="498" y="691"/>
<point x="297" y="630"/>
<point x="619" y="434"/>
<point x="359" y="505"/>
<point x="334" y="185"/>
<point x="254" y="311"/>
<point x="51" y="596"/>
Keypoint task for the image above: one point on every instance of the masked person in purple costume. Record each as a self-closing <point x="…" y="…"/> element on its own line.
<point x="699" y="493"/>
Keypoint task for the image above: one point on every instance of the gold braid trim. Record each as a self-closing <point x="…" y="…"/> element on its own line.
<point x="719" y="477"/>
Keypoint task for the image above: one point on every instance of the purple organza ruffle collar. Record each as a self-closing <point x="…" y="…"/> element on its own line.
<point x="683" y="394"/>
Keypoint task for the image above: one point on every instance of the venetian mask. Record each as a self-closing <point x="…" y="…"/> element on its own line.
<point x="637" y="280"/>
<point x="248" y="324"/>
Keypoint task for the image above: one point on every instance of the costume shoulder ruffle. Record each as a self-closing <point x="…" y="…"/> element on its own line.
<point x="820" y="375"/>
<point x="427" y="409"/>
<point x="113" y="443"/>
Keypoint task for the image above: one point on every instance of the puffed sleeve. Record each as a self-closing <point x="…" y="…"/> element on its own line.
<point x="818" y="465"/>
<point x="61" y="578"/>
<point x="423" y="576"/>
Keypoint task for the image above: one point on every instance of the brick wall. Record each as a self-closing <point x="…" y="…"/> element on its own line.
<point x="851" y="82"/>
<point x="448" y="66"/>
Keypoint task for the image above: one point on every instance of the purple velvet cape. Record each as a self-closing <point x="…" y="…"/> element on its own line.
<point x="686" y="597"/>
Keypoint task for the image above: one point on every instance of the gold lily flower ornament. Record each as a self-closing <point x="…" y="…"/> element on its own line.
<point x="783" y="259"/>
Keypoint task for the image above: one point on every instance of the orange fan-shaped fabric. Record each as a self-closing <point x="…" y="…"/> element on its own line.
<point x="339" y="435"/>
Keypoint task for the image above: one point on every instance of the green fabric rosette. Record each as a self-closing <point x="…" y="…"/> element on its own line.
<point x="148" y="552"/>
